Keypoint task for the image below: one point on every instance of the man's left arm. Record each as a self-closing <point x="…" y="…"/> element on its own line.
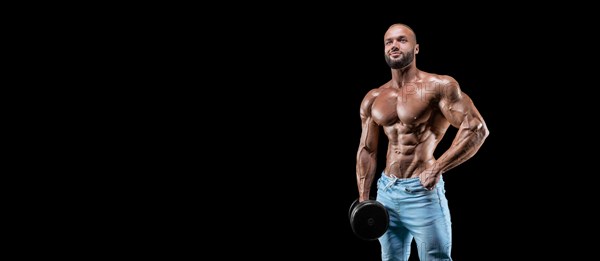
<point x="458" y="108"/>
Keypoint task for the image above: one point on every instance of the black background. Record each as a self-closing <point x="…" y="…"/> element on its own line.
<point x="262" y="126"/>
<point x="323" y="68"/>
<point x="483" y="193"/>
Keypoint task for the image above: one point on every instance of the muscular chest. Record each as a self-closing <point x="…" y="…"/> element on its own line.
<point x="391" y="107"/>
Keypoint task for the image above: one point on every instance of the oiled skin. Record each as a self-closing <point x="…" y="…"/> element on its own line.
<point x="414" y="110"/>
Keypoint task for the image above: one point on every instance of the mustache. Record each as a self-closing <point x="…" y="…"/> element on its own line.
<point x="394" y="49"/>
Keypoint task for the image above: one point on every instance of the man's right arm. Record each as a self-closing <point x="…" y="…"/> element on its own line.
<point x="366" y="158"/>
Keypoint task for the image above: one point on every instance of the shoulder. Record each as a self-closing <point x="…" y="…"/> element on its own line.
<point x="442" y="80"/>
<point x="445" y="86"/>
<point x="369" y="98"/>
<point x="373" y="93"/>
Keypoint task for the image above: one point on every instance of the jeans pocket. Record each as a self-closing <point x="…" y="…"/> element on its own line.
<point x="419" y="188"/>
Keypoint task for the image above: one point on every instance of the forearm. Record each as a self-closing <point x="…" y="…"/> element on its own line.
<point x="465" y="145"/>
<point x="365" y="172"/>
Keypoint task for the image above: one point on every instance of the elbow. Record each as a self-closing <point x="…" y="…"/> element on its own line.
<point x="366" y="151"/>
<point x="482" y="132"/>
<point x="478" y="130"/>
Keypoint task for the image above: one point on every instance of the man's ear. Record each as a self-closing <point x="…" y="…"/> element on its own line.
<point x="416" y="48"/>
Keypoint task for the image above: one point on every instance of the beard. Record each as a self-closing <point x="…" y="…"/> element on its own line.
<point x="404" y="61"/>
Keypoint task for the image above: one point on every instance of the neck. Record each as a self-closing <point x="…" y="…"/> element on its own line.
<point x="408" y="74"/>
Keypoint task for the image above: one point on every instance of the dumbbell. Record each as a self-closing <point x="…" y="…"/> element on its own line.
<point x="369" y="219"/>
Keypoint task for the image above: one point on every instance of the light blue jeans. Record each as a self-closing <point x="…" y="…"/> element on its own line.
<point x="418" y="213"/>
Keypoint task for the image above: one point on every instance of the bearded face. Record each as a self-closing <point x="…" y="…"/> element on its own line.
<point x="398" y="63"/>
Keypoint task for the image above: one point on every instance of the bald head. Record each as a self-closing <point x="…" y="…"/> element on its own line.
<point x="400" y="46"/>
<point x="405" y="28"/>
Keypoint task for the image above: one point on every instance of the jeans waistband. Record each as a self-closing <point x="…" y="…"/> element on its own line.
<point x="385" y="177"/>
<point x="394" y="179"/>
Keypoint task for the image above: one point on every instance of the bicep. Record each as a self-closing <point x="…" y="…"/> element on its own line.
<point x="370" y="130"/>
<point x="459" y="110"/>
<point x="370" y="134"/>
